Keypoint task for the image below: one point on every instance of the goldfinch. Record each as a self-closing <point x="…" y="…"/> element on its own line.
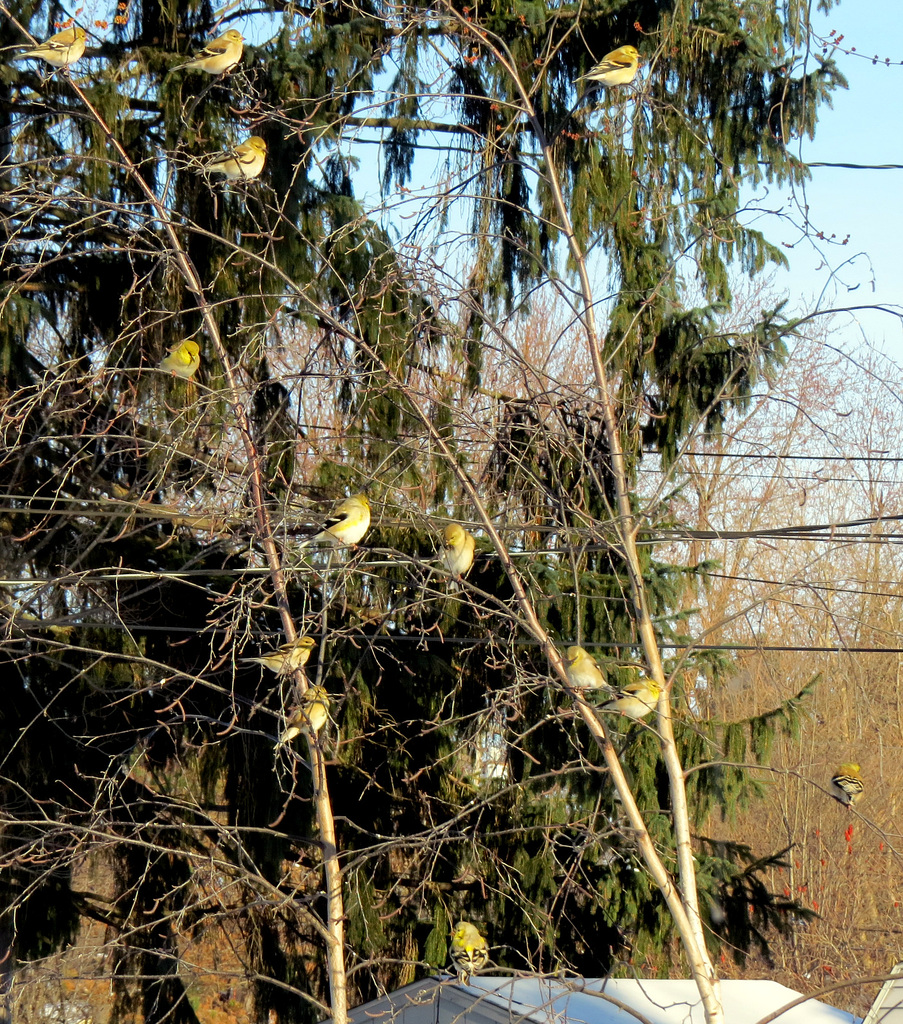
<point x="183" y="359"/>
<point x="469" y="950"/>
<point x="583" y="672"/>
<point x="616" y="68"/>
<point x="846" y="786"/>
<point x="218" y="56"/>
<point x="348" y="524"/>
<point x="457" y="551"/>
<point x="287" y="658"/>
<point x="310" y="717"/>
<point x="62" y="49"/>
<point x="244" y="161"/>
<point x="636" y="700"/>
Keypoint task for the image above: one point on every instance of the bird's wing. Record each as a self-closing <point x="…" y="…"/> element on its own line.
<point x="215" y="48"/>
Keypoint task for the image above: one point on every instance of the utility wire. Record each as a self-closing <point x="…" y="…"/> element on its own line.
<point x="421" y="639"/>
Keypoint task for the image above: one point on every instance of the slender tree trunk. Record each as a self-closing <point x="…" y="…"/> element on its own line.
<point x="335" y="944"/>
<point x="685" y="909"/>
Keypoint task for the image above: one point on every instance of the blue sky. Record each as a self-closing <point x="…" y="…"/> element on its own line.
<point x="865" y="126"/>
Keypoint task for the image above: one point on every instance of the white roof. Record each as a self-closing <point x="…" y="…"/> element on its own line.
<point x="494" y="1000"/>
<point x="888" y="1005"/>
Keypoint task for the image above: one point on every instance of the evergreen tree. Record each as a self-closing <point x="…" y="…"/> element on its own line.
<point x="152" y="524"/>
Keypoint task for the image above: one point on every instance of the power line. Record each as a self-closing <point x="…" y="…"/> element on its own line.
<point x="384" y="640"/>
<point x="820" y="531"/>
<point x="806" y="585"/>
<point x="814" y="477"/>
<point x="799" y="458"/>
<point x="854" y="167"/>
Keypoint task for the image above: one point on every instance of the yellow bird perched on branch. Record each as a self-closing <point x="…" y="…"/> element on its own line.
<point x="348" y="524"/>
<point x="457" y="549"/>
<point x="218" y="56"/>
<point x="311" y="716"/>
<point x="61" y="49"/>
<point x="583" y="672"/>
<point x="245" y="161"/>
<point x="616" y="68"/>
<point x="183" y="360"/>
<point x="286" y="658"/>
<point x="846" y="786"/>
<point x="469" y="950"/>
<point x="636" y="700"/>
